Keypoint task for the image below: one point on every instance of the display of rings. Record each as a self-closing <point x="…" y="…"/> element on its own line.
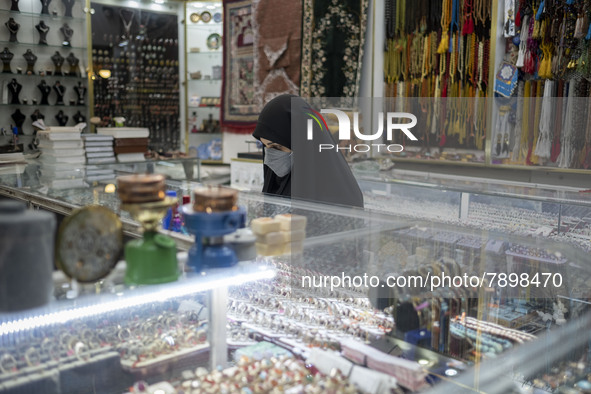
<point x="32" y="356"/>
<point x="7" y="363"/>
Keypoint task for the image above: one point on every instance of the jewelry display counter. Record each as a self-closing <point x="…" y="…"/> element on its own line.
<point x="561" y="214"/>
<point x="419" y="332"/>
<point x="107" y="341"/>
<point x="426" y="334"/>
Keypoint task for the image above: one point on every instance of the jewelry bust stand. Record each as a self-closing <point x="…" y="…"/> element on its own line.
<point x="62" y="119"/>
<point x="43" y="29"/>
<point x="60" y="90"/>
<point x="45" y="6"/>
<point x="45" y="92"/>
<point x="14" y="6"/>
<point x="12" y="27"/>
<point x="30" y="58"/>
<point x="81" y="93"/>
<point x="58" y="61"/>
<point x="68" y="32"/>
<point x="19" y="119"/>
<point x="6" y="57"/>
<point x="74" y="62"/>
<point x="79" y="118"/>
<point x="14" y="88"/>
<point x="37" y="115"/>
<point x="68" y="4"/>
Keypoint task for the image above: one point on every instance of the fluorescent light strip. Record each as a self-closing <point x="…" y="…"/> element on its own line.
<point x="143" y="298"/>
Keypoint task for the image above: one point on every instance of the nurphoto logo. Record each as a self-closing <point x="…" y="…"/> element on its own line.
<point x="394" y="121"/>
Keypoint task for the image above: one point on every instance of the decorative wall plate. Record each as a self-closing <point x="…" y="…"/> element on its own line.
<point x="217" y="17"/>
<point x="214" y="41"/>
<point x="206" y="16"/>
<point x="195" y="17"/>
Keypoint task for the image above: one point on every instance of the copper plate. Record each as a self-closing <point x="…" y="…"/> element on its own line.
<point x="141" y="188"/>
<point x="214" y="199"/>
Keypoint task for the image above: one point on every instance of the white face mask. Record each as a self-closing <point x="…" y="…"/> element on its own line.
<point x="278" y="161"/>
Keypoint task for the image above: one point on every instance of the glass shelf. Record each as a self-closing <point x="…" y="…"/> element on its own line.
<point x="39" y="77"/>
<point x="30" y="45"/>
<point x="206" y="53"/>
<point x="211" y="81"/>
<point x="90" y="306"/>
<point x="43" y="106"/>
<point x="42" y="16"/>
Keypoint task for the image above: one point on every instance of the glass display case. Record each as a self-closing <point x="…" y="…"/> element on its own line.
<point x="45" y="59"/>
<point x="368" y="293"/>
<point x="203" y="33"/>
<point x="559" y="213"/>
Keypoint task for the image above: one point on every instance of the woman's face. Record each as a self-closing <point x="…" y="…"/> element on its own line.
<point x="272" y="145"/>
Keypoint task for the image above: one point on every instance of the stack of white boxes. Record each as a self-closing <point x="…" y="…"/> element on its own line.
<point x="283" y="234"/>
<point x="62" y="157"/>
<point x="99" y="150"/>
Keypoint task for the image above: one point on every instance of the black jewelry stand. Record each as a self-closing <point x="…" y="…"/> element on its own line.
<point x="30" y="58"/>
<point x="69" y="4"/>
<point x="15" y="89"/>
<point x="43" y="29"/>
<point x="19" y="119"/>
<point x="6" y="57"/>
<point x="79" y="118"/>
<point x="68" y="32"/>
<point x="60" y="90"/>
<point x="45" y="6"/>
<point x="14" y="6"/>
<point x="61" y="118"/>
<point x="45" y="92"/>
<point x="58" y="61"/>
<point x="74" y="62"/>
<point x="81" y="93"/>
<point x="37" y="115"/>
<point x="12" y="27"/>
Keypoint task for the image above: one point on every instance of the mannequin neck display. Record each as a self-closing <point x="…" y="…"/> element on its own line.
<point x="14" y="6"/>
<point x="81" y="93"/>
<point x="60" y="90"/>
<point x="37" y="115"/>
<point x="74" y="62"/>
<point x="61" y="118"/>
<point x="45" y="91"/>
<point x="58" y="61"/>
<point x="79" y="118"/>
<point x="68" y="4"/>
<point x="43" y="29"/>
<point x="6" y="57"/>
<point x="30" y="58"/>
<point x="19" y="118"/>
<point x="45" y="6"/>
<point x="68" y="33"/>
<point x="12" y="27"/>
<point x="14" y="88"/>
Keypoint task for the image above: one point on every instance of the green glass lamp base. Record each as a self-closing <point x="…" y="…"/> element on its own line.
<point x="151" y="260"/>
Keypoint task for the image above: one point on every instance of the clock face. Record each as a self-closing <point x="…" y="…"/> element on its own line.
<point x="89" y="243"/>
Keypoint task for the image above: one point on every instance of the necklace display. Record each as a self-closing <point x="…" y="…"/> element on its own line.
<point x="440" y="49"/>
<point x="548" y="120"/>
<point x="13" y="28"/>
<point x="144" y="83"/>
